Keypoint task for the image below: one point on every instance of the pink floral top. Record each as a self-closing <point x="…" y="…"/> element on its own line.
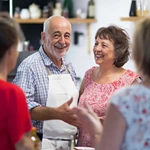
<point x="134" y="104"/>
<point x="97" y="96"/>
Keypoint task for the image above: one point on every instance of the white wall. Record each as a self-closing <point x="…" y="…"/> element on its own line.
<point x="107" y="12"/>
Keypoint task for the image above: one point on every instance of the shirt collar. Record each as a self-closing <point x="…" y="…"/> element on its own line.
<point x="47" y="60"/>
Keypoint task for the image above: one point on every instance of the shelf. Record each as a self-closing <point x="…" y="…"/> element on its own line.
<point x="71" y="20"/>
<point x="41" y="20"/>
<point x="130" y="18"/>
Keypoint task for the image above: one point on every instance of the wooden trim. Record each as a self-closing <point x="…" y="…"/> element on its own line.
<point x="41" y="20"/>
<point x="130" y="18"/>
<point x="89" y="41"/>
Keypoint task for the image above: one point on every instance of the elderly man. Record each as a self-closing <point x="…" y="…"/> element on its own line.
<point x="48" y="81"/>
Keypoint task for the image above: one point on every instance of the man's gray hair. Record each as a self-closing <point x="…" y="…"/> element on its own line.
<point x="45" y="25"/>
<point x="46" y="22"/>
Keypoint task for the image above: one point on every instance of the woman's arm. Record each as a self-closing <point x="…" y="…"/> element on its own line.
<point x="81" y="88"/>
<point x="114" y="130"/>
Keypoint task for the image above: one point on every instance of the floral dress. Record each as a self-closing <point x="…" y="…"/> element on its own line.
<point x="134" y="104"/>
<point x="97" y="96"/>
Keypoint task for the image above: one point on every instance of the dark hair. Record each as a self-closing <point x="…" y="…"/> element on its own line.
<point x="141" y="47"/>
<point x="120" y="40"/>
<point x="10" y="33"/>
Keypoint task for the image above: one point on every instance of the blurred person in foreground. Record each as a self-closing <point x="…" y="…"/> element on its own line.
<point x="15" y="122"/>
<point x="127" y="122"/>
<point x="111" y="52"/>
<point x="48" y="81"/>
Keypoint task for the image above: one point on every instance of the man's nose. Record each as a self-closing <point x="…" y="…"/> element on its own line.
<point x="62" y="40"/>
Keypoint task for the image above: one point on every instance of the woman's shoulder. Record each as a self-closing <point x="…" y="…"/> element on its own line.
<point x="131" y="73"/>
<point x="9" y="88"/>
<point x="129" y="77"/>
<point x="130" y="100"/>
<point x="88" y="76"/>
<point x="89" y="71"/>
<point x="131" y="94"/>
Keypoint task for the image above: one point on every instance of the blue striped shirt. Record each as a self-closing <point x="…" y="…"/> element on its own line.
<point x="32" y="77"/>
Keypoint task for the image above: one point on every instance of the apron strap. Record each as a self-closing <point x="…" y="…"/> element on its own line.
<point x="67" y="69"/>
<point x="48" y="71"/>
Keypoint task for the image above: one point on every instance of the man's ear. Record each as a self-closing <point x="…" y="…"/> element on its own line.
<point x="43" y="37"/>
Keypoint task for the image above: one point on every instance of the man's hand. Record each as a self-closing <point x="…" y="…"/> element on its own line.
<point x="67" y="114"/>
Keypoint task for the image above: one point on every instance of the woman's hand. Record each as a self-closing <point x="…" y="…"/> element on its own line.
<point x="102" y="119"/>
<point x="89" y="120"/>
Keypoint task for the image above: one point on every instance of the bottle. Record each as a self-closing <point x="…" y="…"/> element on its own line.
<point x="133" y="8"/>
<point x="17" y="12"/>
<point x="50" y="7"/>
<point x="65" y="12"/>
<point x="68" y="5"/>
<point x="91" y="9"/>
<point x="26" y="46"/>
<point x="145" y="11"/>
<point x="139" y="8"/>
<point x="45" y="13"/>
<point x="35" y="139"/>
<point x="57" y="10"/>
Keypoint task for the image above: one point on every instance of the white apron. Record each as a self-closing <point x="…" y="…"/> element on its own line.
<point x="61" y="89"/>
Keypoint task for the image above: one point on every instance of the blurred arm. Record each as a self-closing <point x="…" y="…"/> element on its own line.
<point x="114" y="130"/>
<point x="25" y="142"/>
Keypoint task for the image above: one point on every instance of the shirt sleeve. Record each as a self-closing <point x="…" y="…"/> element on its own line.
<point x="25" y="80"/>
<point x="18" y="119"/>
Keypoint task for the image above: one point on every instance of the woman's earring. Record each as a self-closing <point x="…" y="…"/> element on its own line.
<point x="115" y="61"/>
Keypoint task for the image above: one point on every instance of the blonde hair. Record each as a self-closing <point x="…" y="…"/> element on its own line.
<point x="141" y="47"/>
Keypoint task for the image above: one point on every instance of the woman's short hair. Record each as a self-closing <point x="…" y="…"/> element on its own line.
<point x="141" y="47"/>
<point x="10" y="33"/>
<point x="120" y="40"/>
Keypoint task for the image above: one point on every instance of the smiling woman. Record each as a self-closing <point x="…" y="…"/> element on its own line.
<point x="111" y="52"/>
<point x="127" y="122"/>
